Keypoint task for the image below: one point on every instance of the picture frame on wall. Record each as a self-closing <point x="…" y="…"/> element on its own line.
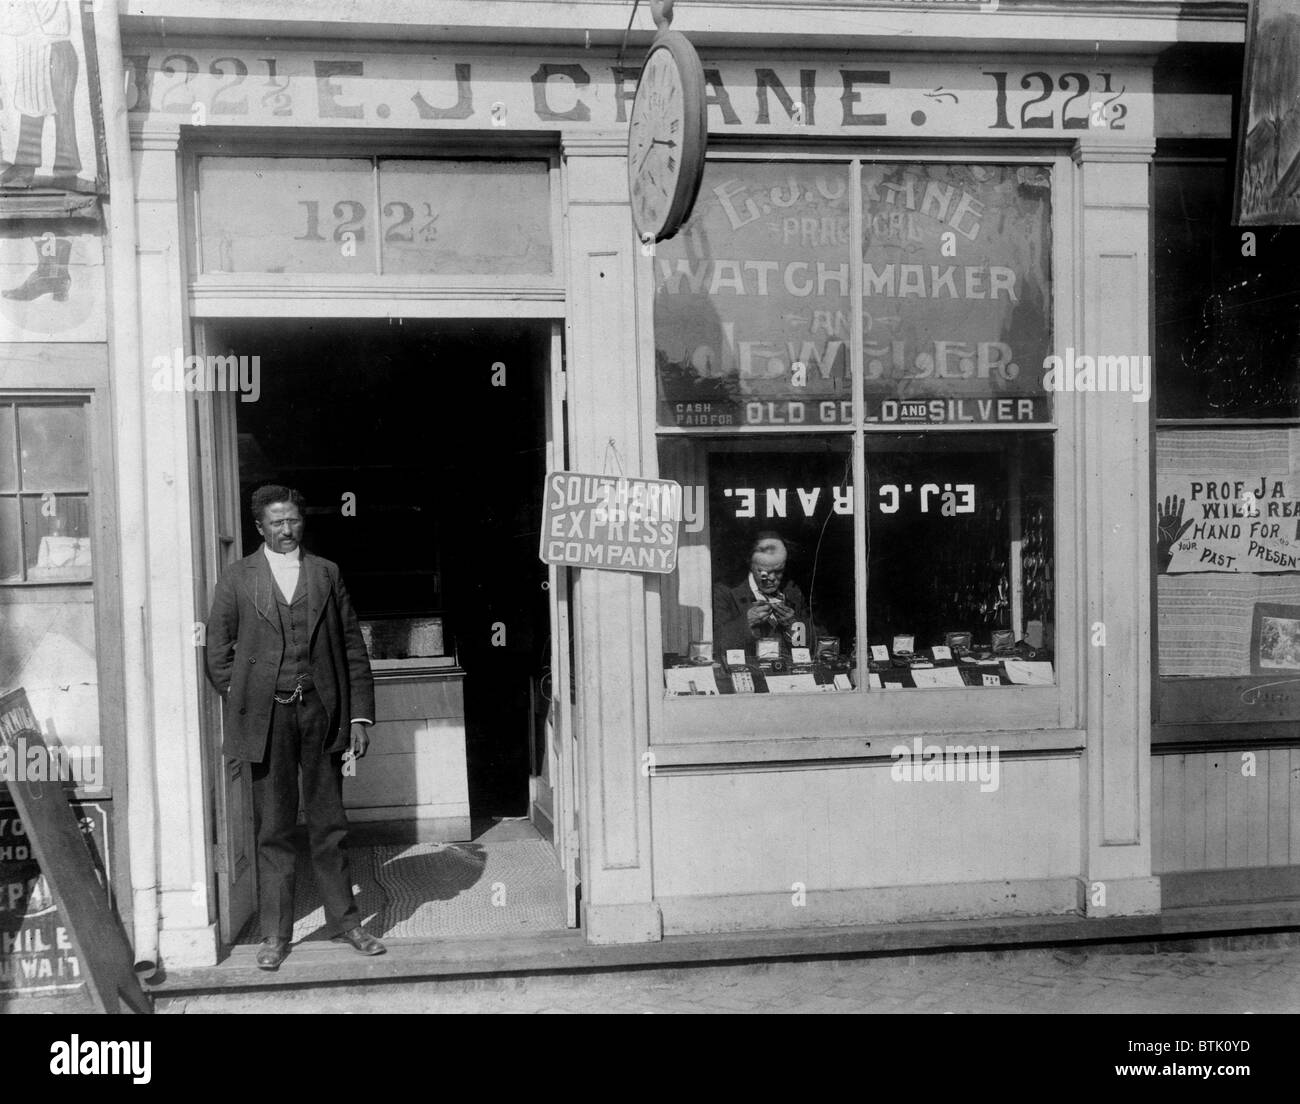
<point x="1267" y="191"/>
<point x="1275" y="639"/>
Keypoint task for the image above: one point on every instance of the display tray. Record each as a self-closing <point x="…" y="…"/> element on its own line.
<point x="426" y="665"/>
<point x="406" y="642"/>
<point x="685" y="679"/>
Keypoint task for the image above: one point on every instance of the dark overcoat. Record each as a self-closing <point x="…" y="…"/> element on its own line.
<point x="730" y="615"/>
<point x="245" y="646"/>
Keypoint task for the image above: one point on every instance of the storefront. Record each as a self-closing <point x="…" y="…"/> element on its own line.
<point x="1227" y="443"/>
<point x="59" y="558"/>
<point x="900" y="357"/>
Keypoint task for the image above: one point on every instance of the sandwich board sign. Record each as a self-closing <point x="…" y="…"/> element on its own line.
<point x="86" y="943"/>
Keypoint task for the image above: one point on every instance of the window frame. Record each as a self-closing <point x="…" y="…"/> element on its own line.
<point x="82" y="372"/>
<point x="862" y="723"/>
<point x="21" y="494"/>
<point x="241" y="294"/>
<point x="1188" y="712"/>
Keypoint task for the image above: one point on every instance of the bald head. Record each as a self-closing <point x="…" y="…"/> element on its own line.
<point x="767" y="564"/>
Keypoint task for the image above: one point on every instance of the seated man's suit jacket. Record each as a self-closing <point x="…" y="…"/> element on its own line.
<point x="245" y="646"/>
<point x="730" y="622"/>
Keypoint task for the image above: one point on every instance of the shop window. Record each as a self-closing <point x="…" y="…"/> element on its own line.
<point x="956" y="300"/>
<point x="374" y="216"/>
<point x="44" y="494"/>
<point x="765" y="578"/>
<point x="933" y="565"/>
<point x="1227" y="502"/>
<point x="47" y="623"/>
<point x="1226" y="301"/>
<point x="959" y="540"/>
<point x="752" y="305"/>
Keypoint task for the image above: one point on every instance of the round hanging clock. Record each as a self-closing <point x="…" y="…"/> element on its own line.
<point x="666" y="139"/>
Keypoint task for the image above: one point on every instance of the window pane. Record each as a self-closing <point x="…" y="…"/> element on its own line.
<point x="752" y="300"/>
<point x="56" y="537"/>
<point x="8" y="462"/>
<point x="465" y="217"/>
<point x="765" y="565"/>
<point x="11" y="570"/>
<point x="956" y="293"/>
<point x="53" y="443"/>
<point x="47" y="634"/>
<point x="47" y="646"/>
<point x="1226" y="340"/>
<point x="287" y="214"/>
<point x="960" y="555"/>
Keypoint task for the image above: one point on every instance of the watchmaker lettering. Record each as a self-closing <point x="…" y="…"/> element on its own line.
<point x="755" y="304"/>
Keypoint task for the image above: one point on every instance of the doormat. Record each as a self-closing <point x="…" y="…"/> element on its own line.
<point x="440" y="890"/>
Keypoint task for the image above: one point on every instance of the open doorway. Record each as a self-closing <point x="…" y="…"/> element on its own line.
<point x="420" y="446"/>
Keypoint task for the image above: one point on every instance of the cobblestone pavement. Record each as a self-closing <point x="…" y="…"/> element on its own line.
<point x="1039" y="981"/>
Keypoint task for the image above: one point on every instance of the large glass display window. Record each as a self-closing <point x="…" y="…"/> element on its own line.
<point x="850" y="389"/>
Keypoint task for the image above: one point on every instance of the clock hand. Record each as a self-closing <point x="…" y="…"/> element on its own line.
<point x="650" y="149"/>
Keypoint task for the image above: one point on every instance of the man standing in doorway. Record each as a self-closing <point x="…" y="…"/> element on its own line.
<point x="284" y="649"/>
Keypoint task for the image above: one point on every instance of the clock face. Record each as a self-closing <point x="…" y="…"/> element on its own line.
<point x="665" y="147"/>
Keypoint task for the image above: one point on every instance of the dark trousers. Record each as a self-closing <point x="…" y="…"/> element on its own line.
<point x="299" y="733"/>
<point x="63" y="81"/>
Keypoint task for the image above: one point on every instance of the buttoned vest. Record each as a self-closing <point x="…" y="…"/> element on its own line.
<point x="293" y="626"/>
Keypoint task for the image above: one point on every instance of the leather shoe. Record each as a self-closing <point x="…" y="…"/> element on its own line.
<point x="361" y="941"/>
<point x="271" y="953"/>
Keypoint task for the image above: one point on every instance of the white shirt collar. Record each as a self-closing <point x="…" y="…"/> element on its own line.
<point x="282" y="559"/>
<point x="759" y="596"/>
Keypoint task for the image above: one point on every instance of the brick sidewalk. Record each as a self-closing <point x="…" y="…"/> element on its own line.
<point x="1039" y="981"/>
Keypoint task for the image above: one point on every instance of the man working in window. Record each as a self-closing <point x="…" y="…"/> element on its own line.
<point x="284" y="649"/>
<point x="764" y="606"/>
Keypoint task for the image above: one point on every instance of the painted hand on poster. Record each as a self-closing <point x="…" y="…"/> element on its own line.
<point x="1246" y="522"/>
<point x="1169" y="527"/>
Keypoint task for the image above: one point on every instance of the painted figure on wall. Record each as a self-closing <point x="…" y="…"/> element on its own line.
<point x="39" y="74"/>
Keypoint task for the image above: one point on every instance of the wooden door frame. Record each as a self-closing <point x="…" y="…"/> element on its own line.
<point x="233" y="882"/>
